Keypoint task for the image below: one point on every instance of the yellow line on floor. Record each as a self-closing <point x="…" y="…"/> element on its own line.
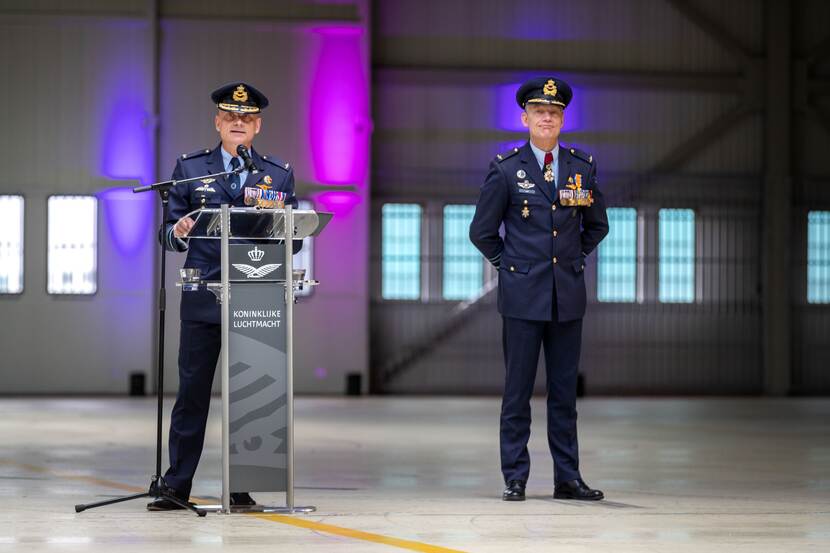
<point x="356" y="534"/>
<point x="282" y="519"/>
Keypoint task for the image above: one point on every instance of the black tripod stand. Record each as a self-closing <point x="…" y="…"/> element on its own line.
<point x="158" y="489"/>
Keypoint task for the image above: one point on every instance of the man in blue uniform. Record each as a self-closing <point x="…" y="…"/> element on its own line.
<point x="553" y="213"/>
<point x="237" y="121"/>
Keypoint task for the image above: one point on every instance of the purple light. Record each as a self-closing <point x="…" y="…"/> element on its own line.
<point x="508" y="114"/>
<point x="128" y="217"/>
<point x="321" y="373"/>
<point x="573" y="113"/>
<point x="339" y="203"/>
<point x="506" y="146"/>
<point x="128" y="147"/>
<point x="339" y="108"/>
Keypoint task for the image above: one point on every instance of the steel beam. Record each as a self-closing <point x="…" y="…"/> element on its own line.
<point x="723" y="82"/>
<point x="777" y="201"/>
<point x="702" y="139"/>
<point x="263" y="11"/>
<point x="711" y="28"/>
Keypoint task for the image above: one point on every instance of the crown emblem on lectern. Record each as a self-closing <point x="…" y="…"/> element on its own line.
<point x="256" y="254"/>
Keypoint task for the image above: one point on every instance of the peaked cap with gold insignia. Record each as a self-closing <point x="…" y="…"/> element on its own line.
<point x="239" y="98"/>
<point x="544" y="90"/>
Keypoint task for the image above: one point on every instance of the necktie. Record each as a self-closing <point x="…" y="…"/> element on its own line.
<point x="234" y="179"/>
<point x="548" y="169"/>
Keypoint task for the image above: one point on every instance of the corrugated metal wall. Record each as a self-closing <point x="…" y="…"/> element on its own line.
<point x="670" y="110"/>
<point x="69" y="70"/>
<point x="63" y="79"/>
<point x="811" y="356"/>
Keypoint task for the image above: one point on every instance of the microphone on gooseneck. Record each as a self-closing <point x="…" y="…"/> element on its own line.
<point x="246" y="157"/>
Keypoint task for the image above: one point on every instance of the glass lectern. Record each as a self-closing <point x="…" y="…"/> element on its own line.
<point x="256" y="293"/>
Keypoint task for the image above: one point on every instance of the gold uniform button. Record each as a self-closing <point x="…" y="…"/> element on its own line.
<point x="525" y="202"/>
<point x="553" y="207"/>
<point x="555" y="233"/>
<point x="554" y="261"/>
<point x="512" y="268"/>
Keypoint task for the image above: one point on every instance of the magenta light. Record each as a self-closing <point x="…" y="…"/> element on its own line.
<point x="339" y="203"/>
<point x="339" y="108"/>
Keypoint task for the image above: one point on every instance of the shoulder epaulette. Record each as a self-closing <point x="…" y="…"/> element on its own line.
<point x="197" y="153"/>
<point x="276" y="162"/>
<point x="507" y="154"/>
<point x="581" y="155"/>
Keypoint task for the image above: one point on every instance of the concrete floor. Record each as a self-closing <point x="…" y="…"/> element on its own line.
<point x="422" y="474"/>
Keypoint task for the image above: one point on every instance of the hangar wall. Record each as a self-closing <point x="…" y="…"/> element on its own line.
<point x="673" y="100"/>
<point x="93" y="88"/>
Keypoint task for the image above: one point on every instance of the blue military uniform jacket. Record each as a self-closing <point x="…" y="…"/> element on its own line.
<point x="545" y="243"/>
<point x="184" y="198"/>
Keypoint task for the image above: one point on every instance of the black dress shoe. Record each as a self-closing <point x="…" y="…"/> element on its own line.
<point x="576" y="489"/>
<point x="242" y="499"/>
<point x="165" y="504"/>
<point x="515" y="491"/>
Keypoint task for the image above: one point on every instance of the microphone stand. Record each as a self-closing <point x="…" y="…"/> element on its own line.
<point x="158" y="488"/>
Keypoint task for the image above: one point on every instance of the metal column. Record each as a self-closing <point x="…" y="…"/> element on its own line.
<point x="777" y="201"/>
<point x="289" y="355"/>
<point x="226" y="320"/>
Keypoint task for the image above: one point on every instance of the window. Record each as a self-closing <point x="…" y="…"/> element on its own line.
<point x="463" y="264"/>
<point x="72" y="245"/>
<point x="305" y="258"/>
<point x="401" y="251"/>
<point x="676" y="252"/>
<point x="11" y="244"/>
<point x="818" y="257"/>
<point x="617" y="257"/>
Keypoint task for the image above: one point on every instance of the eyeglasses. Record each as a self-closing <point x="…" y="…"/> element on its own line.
<point x="230" y="117"/>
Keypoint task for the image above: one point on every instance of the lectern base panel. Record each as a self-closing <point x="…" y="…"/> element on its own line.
<point x="266" y="509"/>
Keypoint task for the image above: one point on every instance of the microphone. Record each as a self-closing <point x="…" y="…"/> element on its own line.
<point x="246" y="157"/>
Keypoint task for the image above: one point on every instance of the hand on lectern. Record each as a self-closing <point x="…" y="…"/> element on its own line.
<point x="183" y="227"/>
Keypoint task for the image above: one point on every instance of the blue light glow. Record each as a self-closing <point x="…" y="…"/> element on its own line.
<point x="508" y="114"/>
<point x="127" y="149"/>
<point x="128" y="217"/>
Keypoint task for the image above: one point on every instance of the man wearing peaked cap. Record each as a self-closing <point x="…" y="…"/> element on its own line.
<point x="237" y="121"/>
<point x="547" y="198"/>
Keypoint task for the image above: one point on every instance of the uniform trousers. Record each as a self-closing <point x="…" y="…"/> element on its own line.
<point x="522" y="340"/>
<point x="199" y="345"/>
